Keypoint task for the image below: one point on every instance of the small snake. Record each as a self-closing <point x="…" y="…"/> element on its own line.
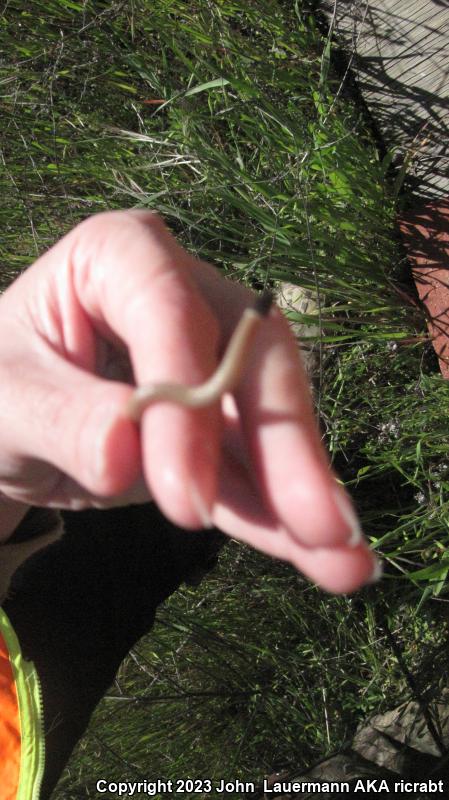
<point x="224" y="379"/>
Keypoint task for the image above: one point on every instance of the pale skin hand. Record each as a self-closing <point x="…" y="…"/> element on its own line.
<point x="116" y="298"/>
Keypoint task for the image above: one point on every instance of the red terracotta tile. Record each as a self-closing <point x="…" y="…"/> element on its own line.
<point x="425" y="232"/>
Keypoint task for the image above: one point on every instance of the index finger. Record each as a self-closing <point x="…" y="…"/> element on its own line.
<point x="135" y="281"/>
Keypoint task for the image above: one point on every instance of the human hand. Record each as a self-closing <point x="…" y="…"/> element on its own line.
<point x="116" y="302"/>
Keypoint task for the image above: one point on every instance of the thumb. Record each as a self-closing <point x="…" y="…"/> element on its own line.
<point x="70" y="419"/>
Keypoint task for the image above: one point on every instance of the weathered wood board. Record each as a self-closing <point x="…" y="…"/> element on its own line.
<point x="401" y="63"/>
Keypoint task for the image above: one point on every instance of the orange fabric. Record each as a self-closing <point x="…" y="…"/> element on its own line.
<point x="9" y="728"/>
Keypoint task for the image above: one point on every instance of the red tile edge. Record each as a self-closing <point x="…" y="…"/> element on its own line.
<point x="425" y="232"/>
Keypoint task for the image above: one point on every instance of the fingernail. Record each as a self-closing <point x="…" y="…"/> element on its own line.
<point x="200" y="506"/>
<point x="377" y="572"/>
<point x="348" y="514"/>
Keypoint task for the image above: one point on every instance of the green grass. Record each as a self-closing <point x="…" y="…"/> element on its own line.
<point x="252" y="673"/>
<point x="259" y="164"/>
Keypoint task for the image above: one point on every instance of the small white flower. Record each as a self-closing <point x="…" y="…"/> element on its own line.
<point x="389" y="430"/>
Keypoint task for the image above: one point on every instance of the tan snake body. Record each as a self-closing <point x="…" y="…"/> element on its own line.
<point x="224" y="379"/>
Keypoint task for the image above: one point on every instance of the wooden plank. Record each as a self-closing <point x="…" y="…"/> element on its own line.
<point x="401" y="63"/>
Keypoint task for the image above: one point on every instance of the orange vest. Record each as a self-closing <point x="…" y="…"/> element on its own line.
<point x="22" y="751"/>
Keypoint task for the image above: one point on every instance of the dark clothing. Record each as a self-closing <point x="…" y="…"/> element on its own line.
<point x="79" y="605"/>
